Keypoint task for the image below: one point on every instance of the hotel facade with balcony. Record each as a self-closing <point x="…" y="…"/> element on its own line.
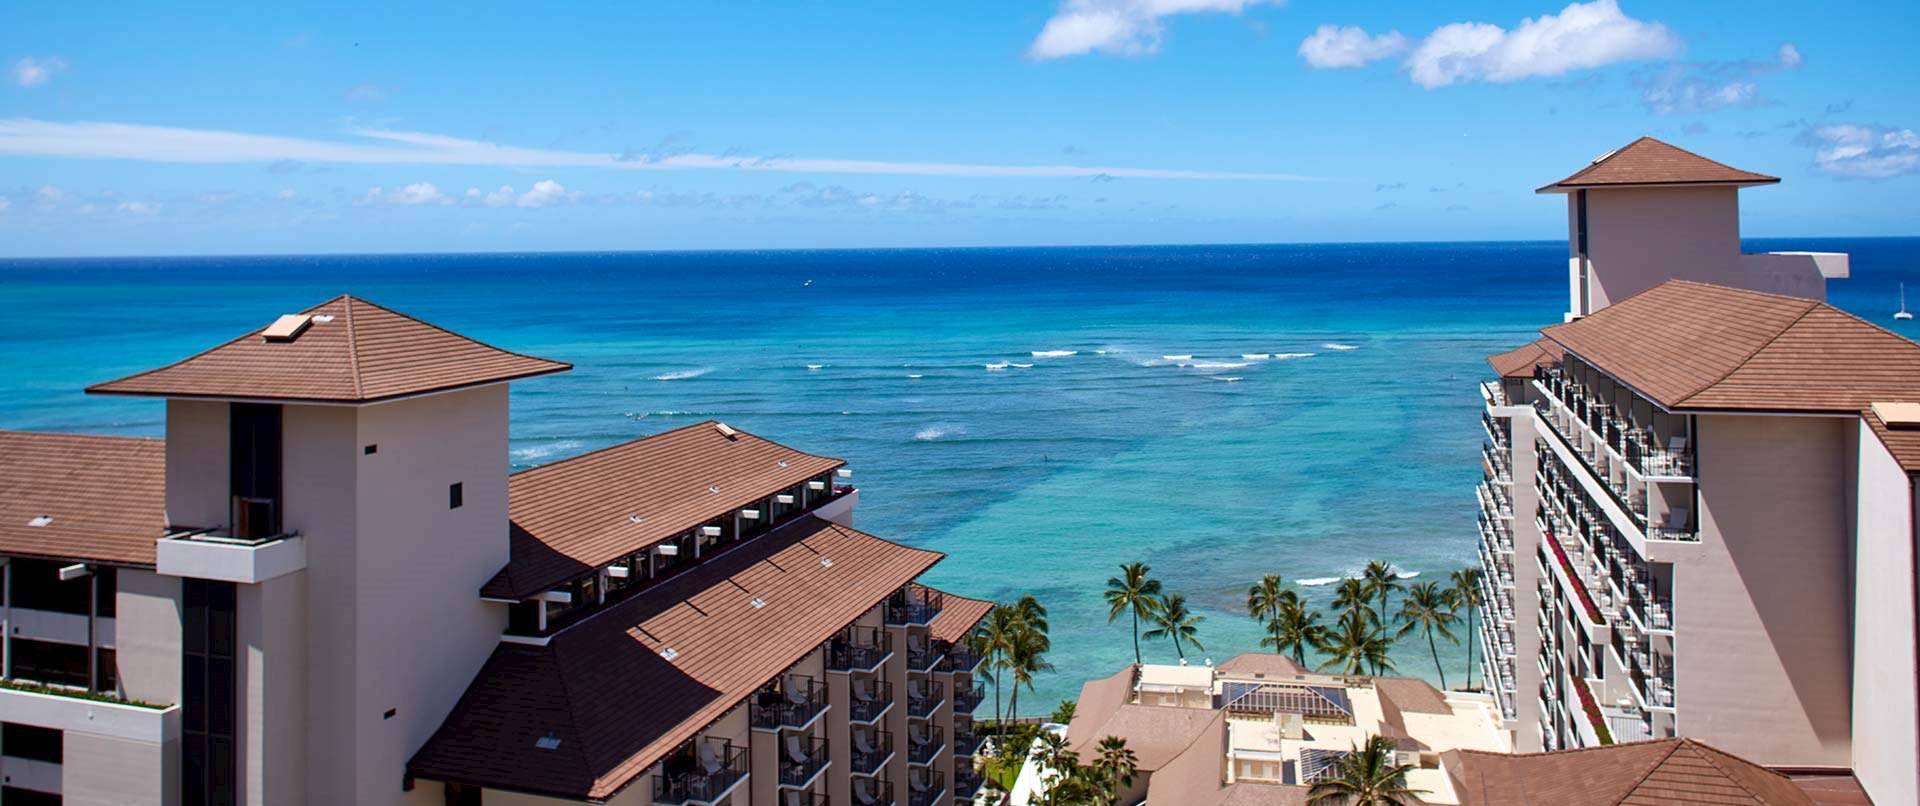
<point x="324" y="586"/>
<point x="1697" y="513"/>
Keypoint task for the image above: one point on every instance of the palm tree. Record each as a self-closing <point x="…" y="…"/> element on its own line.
<point x="1429" y="609"/>
<point x="1034" y="616"/>
<point x="1263" y="601"/>
<point x="1352" y="597"/>
<point x="992" y="639"/>
<point x="1133" y="591"/>
<point x="1116" y="765"/>
<point x="1466" y="589"/>
<point x="1024" y="660"/>
<point x="1354" y="646"/>
<point x="1367" y="776"/>
<point x="1295" y="628"/>
<point x="1382" y="581"/>
<point x="1173" y="620"/>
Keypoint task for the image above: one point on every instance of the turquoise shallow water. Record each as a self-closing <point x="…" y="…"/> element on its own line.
<point x="1041" y="479"/>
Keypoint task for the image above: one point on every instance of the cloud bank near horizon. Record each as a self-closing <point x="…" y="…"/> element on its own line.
<point x="26" y="137"/>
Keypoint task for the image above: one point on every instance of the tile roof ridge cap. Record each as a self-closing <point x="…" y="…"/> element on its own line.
<point x="621" y="444"/>
<point x="463" y="337"/>
<point x="353" y="347"/>
<point x="844" y="530"/>
<point x="1655" y="766"/>
<point x="1804" y="312"/>
<point x="1711" y="755"/>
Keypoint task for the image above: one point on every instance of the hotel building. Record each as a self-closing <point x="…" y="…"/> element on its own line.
<point x="1697" y="517"/>
<point x="324" y="586"/>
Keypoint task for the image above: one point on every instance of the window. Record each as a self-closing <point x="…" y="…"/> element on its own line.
<point x="48" y="662"/>
<point x="37" y="586"/>
<point x="254" y="469"/>
<point x="456" y="495"/>
<point x="15" y="796"/>
<point x="207" y="684"/>
<point x="30" y="742"/>
<point x="463" y="795"/>
<point x="370" y="449"/>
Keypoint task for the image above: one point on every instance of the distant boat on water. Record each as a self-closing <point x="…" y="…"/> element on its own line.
<point x="1903" y="314"/>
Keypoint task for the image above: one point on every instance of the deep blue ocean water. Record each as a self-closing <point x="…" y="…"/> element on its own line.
<point x="1042" y="479"/>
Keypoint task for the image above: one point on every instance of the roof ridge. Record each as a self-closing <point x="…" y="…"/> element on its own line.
<point x="1694" y="154"/>
<point x="1570" y="750"/>
<point x="462" y="337"/>
<point x="1812" y="305"/>
<point x="674" y="430"/>
<point x="1657" y="764"/>
<point x="1700" y="749"/>
<point x="353" y="347"/>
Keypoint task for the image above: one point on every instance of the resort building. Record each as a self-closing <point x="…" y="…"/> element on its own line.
<point x="324" y="586"/>
<point x="1697" y="517"/>
<point x="1259" y="728"/>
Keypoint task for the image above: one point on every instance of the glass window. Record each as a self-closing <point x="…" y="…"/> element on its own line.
<point x="30" y="742"/>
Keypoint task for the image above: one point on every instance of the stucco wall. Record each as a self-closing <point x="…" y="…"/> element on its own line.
<point x="109" y="771"/>
<point x="147" y="635"/>
<point x="1763" y="636"/>
<point x="1886" y="746"/>
<point x="197" y="482"/>
<point x="271" y="636"/>
<point x="1638" y="238"/>
<point x="1526" y="586"/>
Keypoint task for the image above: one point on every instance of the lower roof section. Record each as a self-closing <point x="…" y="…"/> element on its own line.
<point x="958" y="616"/>
<point x="624" y="689"/>
<point x="82" y="497"/>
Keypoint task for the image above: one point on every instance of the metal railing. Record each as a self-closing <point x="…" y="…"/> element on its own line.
<point x="872" y="792"/>
<point x="967" y="698"/>
<point x="914" y="604"/>
<point x="701" y="785"/>
<point x="874" y="758"/>
<point x="859" y="648"/>
<point x="923" y="702"/>
<point x="868" y="709"/>
<point x="801" y="761"/>
<point x="791" y="708"/>
<point x="925" y="789"/>
<point x="926" y="747"/>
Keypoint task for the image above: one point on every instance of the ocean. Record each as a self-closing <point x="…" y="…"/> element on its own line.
<point x="1040" y="415"/>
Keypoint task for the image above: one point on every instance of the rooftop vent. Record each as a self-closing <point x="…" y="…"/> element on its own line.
<point x="826" y="562"/>
<point x="783" y="463"/>
<point x="726" y="430"/>
<point x="669" y="653"/>
<point x="547" y="742"/>
<point x="758" y="602"/>
<point x="713" y="488"/>
<point x="322" y="319"/>
<point x="845" y="472"/>
<point x="287" y="328"/>
<point x="1899" y="416"/>
<point x="40" y="520"/>
<point x="1603" y="157"/>
<point x="635" y="519"/>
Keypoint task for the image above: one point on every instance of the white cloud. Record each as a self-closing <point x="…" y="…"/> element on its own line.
<point x="418" y="193"/>
<point x="544" y="192"/>
<point x="499" y="198"/>
<point x="1696" y="87"/>
<point x="1581" y="36"/>
<point x="32" y="72"/>
<point x="4" y="204"/>
<point x="1864" y="152"/>
<point x="48" y="196"/>
<point x="40" y="138"/>
<point x="1334" y="47"/>
<point x="1788" y="56"/>
<point x="138" y="208"/>
<point x="1124" y="27"/>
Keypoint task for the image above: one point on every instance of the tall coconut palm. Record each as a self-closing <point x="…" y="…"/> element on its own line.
<point x="1382" y="581"/>
<point x="1429" y="608"/>
<point x="1263" y="601"/>
<point x="1466" y="589"/>
<point x="1354" y="646"/>
<point x="1352" y="597"/>
<point x="1025" y="658"/>
<point x="1133" y="592"/>
<point x="1295" y="628"/>
<point x="1117" y="765"/>
<point x="1173" y="620"/>
<point x="1367" y="776"/>
<point x="992" y="639"/>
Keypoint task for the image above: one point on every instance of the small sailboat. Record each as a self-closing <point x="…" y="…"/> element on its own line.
<point x="1903" y="315"/>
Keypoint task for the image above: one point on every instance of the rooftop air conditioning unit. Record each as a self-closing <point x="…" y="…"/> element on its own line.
<point x="710" y="531"/>
<point x="783" y="498"/>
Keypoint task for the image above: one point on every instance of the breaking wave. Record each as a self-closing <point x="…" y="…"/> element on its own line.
<point x="681" y="375"/>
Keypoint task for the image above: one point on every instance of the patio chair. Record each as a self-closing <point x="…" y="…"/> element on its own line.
<point x="796" y="752"/>
<point x="710" y="760"/>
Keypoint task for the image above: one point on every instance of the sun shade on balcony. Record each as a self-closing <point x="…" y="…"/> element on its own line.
<point x="344" y="350"/>
<point x="75" y="497"/>
<point x="1699" y="347"/>
<point x="618" y="704"/>
<point x="1647" y="161"/>
<point x="575" y="515"/>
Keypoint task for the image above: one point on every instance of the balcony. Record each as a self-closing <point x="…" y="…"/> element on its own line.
<point x="871" y="752"/>
<point x="718" y="768"/>
<point x="1498" y="466"/>
<point x="966" y="784"/>
<point x="923" y="697"/>
<point x="1498" y="430"/>
<point x="967" y="742"/>
<point x="925" y="788"/>
<point x="872" y="792"/>
<point x="802" y="797"/>
<point x="802" y="759"/>
<point x="1493" y="393"/>
<point x="926" y="746"/>
<point x="795" y="704"/>
<point x="1495" y="501"/>
<point x="967" y="699"/>
<point x="914" y="605"/>
<point x="922" y="654"/>
<point x="210" y="554"/>
<point x="869" y="701"/>
<point x="859" y="649"/>
<point x="963" y="659"/>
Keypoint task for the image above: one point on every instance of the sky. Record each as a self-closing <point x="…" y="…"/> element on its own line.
<point x="161" y="129"/>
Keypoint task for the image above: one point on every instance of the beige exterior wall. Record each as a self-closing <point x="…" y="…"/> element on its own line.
<point x="1886" y="742"/>
<point x="271" y="635"/>
<point x="1761" y="603"/>
<point x="107" y="771"/>
<point x="147" y="636"/>
<point x="1638" y="238"/>
<point x="197" y="482"/>
<point x="1526" y="586"/>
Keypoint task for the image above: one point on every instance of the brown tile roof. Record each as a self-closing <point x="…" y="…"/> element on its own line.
<point x="1156" y="733"/>
<point x="1832" y="789"/>
<point x="364" y="353"/>
<point x="106" y="496"/>
<point x="1662" y="771"/>
<point x="1696" y="346"/>
<point x="1412" y="694"/>
<point x="575" y="515"/>
<point x="1519" y="362"/>
<point x="618" y="706"/>
<point x="1902" y="443"/>
<point x="1261" y="664"/>
<point x="958" y="616"/>
<point x="1647" y="161"/>
<point x="1099" y="700"/>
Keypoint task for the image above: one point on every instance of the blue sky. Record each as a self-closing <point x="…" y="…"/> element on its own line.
<point x="372" y="127"/>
